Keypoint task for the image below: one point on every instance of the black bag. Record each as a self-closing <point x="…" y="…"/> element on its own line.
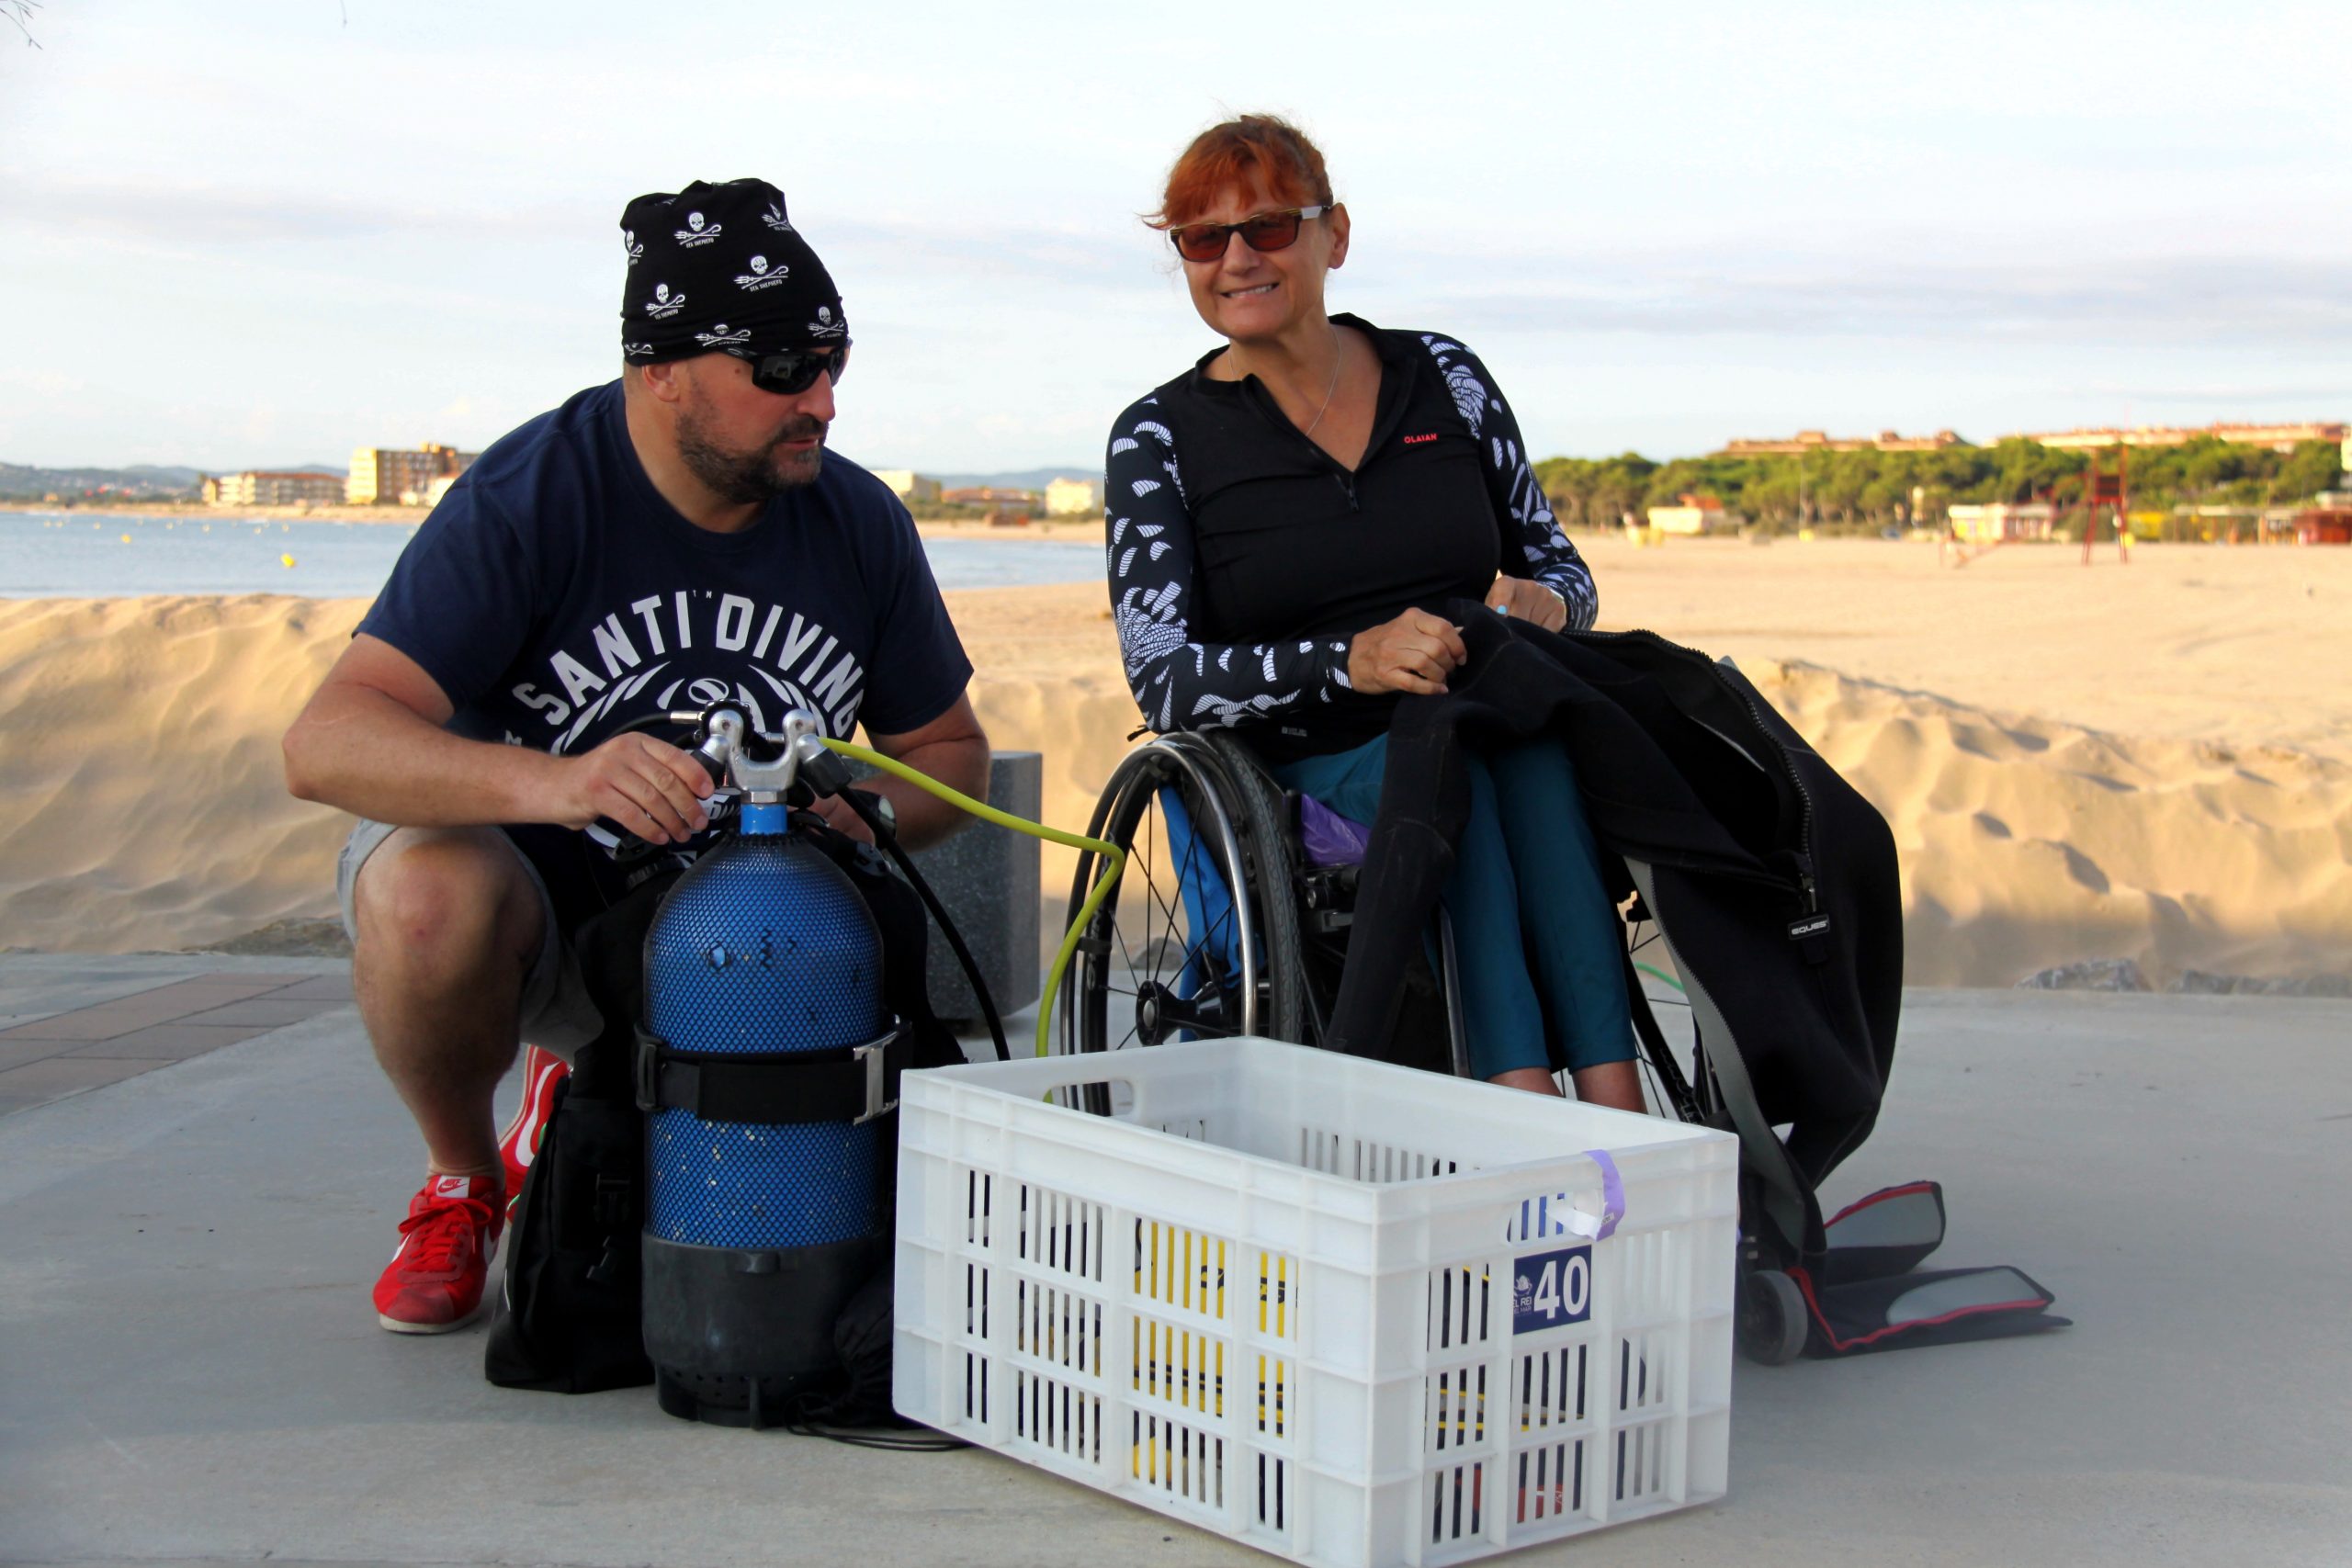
<point x="569" y="1317"/>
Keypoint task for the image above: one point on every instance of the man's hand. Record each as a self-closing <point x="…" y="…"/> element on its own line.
<point x="646" y="785"/>
<point x="839" y="817"/>
<point x="1415" y="652"/>
<point x="1534" y="603"/>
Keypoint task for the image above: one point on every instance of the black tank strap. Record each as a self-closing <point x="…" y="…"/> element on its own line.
<point x="850" y="1083"/>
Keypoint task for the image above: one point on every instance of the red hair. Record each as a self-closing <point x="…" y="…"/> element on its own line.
<point x="1263" y="147"/>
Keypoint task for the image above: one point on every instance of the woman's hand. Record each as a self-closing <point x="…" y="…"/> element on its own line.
<point x="1414" y="653"/>
<point x="1534" y="603"/>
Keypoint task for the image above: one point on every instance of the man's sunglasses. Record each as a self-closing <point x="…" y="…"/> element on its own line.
<point x="797" y="369"/>
<point x="1259" y="232"/>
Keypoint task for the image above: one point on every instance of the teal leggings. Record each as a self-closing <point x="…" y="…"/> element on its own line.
<point x="1542" y="983"/>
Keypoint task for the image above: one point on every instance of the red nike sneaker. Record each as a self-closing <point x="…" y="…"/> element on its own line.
<point x="519" y="1144"/>
<point x="434" y="1283"/>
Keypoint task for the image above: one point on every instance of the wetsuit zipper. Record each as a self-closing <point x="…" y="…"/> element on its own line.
<point x="1384" y="420"/>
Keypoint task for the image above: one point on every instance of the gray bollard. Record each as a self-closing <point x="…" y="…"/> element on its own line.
<point x="986" y="878"/>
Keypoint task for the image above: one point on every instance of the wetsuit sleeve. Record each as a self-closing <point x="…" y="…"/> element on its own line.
<point x="1544" y="553"/>
<point x="1178" y="683"/>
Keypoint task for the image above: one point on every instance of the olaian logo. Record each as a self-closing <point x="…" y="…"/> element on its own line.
<point x="762" y="275"/>
<point x="720" y="337"/>
<point x="664" y="304"/>
<point x="827" y="324"/>
<point x="698" y="232"/>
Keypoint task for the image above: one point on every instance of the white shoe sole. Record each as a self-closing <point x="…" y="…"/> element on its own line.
<point x="397" y="1326"/>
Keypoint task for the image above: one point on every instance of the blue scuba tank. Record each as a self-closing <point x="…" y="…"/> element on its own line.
<point x="759" y="1228"/>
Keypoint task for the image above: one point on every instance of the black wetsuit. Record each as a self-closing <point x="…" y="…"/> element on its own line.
<point x="1243" y="559"/>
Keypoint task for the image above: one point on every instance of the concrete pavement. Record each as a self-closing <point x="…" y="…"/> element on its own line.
<point x="190" y="1370"/>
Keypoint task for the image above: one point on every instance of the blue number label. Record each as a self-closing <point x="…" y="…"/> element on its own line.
<point x="1552" y="1288"/>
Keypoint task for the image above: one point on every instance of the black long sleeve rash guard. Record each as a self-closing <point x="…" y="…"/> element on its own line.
<point x="1243" y="559"/>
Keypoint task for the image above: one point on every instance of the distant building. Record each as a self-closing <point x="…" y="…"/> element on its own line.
<point x="988" y="495"/>
<point x="2001" y="520"/>
<point x="907" y="485"/>
<point x="1073" y="498"/>
<point x="2325" y="525"/>
<point x="386" y="476"/>
<point x="1805" y="441"/>
<point x="1696" y="514"/>
<point x="262" y="488"/>
<point x="2278" y="437"/>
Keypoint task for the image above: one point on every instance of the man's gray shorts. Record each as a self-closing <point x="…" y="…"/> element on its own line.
<point x="557" y="1013"/>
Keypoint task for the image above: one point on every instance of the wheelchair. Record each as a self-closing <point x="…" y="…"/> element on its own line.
<point x="1227" y="923"/>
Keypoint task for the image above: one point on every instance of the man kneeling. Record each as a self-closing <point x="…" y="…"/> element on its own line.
<point x="659" y="543"/>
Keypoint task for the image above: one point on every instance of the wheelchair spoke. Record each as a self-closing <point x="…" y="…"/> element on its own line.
<point x="1201" y="950"/>
<point x="1120" y="932"/>
<point x="1150" y="977"/>
<point x="1151" y="885"/>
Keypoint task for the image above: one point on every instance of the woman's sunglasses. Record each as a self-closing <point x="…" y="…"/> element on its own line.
<point x="797" y="369"/>
<point x="1259" y="232"/>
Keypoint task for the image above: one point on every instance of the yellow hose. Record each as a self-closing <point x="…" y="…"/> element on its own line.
<point x="1115" y="857"/>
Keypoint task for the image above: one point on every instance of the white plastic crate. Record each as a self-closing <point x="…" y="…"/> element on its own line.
<point x="1348" y="1313"/>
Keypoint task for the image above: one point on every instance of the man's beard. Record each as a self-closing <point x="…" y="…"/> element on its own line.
<point x="752" y="476"/>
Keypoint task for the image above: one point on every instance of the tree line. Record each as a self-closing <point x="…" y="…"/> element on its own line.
<point x="1870" y="489"/>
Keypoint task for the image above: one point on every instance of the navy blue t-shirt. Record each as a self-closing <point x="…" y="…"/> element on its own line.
<point x="555" y="596"/>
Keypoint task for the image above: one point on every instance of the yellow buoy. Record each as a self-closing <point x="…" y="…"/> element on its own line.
<point x="286" y="560"/>
<point x="126" y="538"/>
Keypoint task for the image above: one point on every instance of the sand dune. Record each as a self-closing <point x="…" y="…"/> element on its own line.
<point x="2030" y="842"/>
<point x="2152" y="762"/>
<point x="142" y="804"/>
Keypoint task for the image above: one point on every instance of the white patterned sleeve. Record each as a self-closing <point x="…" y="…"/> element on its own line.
<point x="1180" y="683"/>
<point x="1545" y="554"/>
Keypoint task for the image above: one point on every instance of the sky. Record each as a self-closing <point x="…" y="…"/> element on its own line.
<point x="261" y="231"/>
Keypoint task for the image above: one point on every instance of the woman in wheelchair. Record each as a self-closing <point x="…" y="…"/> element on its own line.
<point x="1276" y="514"/>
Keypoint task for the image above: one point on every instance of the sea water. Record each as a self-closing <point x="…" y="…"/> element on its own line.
<point x="104" y="555"/>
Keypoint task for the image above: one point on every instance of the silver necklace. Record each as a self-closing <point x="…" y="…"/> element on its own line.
<point x="1330" y="390"/>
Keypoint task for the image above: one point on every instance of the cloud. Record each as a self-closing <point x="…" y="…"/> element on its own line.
<point x="2231" y="394"/>
<point x="2243" y="302"/>
<point x="202" y="215"/>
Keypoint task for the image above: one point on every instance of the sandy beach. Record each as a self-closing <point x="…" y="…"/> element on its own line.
<point x="2151" y="762"/>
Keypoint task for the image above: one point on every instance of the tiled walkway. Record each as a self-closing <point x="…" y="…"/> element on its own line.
<point x="66" y="1052"/>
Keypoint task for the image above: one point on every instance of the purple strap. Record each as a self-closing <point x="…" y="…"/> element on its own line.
<point x="1328" y="838"/>
<point x="1612" y="1193"/>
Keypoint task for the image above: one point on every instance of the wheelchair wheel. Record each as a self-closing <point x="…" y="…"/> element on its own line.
<point x="1773" y="1322"/>
<point x="1201" y="939"/>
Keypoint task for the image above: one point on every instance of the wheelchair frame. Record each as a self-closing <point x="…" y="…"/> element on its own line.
<point x="1251" y="977"/>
